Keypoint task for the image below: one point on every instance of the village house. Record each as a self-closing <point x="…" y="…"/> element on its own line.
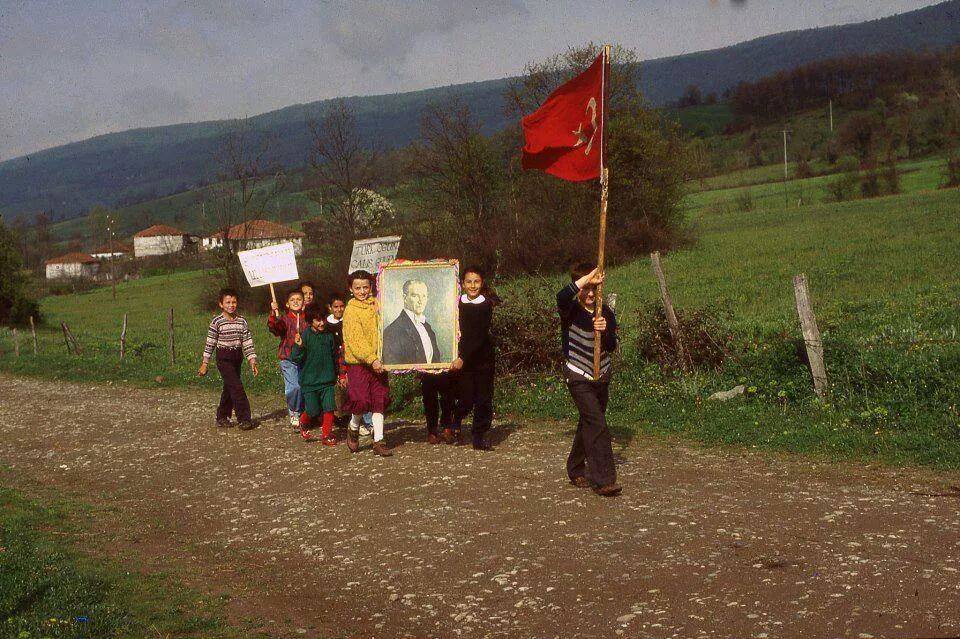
<point x="256" y="234"/>
<point x="114" y="249"/>
<point x="72" y="266"/>
<point x="161" y="239"/>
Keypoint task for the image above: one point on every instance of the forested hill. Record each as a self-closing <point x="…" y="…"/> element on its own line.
<point x="144" y="163"/>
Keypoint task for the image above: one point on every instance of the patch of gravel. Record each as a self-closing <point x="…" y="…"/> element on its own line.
<point x="444" y="541"/>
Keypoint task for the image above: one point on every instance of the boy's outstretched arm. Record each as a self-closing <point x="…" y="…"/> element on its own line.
<point x="248" y="350"/>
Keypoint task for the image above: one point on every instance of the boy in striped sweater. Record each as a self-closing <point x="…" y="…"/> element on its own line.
<point x="590" y="464"/>
<point x="229" y="338"/>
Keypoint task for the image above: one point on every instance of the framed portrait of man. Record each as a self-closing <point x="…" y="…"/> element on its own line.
<point x="419" y="313"/>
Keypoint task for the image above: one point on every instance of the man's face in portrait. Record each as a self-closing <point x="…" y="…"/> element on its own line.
<point x="415" y="299"/>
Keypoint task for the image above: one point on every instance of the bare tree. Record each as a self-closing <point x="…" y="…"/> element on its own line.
<point x="342" y="181"/>
<point x="462" y="186"/>
<point x="247" y="182"/>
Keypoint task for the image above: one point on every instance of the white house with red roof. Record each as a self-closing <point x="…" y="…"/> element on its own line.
<point x="256" y="234"/>
<point x="72" y="266"/>
<point x="161" y="239"/>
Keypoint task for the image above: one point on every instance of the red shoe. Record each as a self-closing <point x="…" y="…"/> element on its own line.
<point x="330" y="441"/>
<point x="307" y="437"/>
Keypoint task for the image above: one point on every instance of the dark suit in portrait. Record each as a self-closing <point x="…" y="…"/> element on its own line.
<point x="402" y="343"/>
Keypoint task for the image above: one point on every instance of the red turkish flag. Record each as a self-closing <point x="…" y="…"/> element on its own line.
<point x="564" y="137"/>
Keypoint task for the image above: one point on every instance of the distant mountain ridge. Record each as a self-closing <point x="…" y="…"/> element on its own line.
<point x="160" y="160"/>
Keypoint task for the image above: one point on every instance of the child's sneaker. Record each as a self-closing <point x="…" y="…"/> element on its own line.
<point x="330" y="441"/>
<point x="224" y="423"/>
<point x="305" y="434"/>
<point x="295" y="420"/>
<point x="353" y="441"/>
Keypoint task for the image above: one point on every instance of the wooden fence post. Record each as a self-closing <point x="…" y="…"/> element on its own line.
<point x="672" y="322"/>
<point x="123" y="337"/>
<point x="173" y="355"/>
<point x="71" y="340"/>
<point x="16" y="343"/>
<point x="66" y="338"/>
<point x="811" y="334"/>
<point x="33" y="329"/>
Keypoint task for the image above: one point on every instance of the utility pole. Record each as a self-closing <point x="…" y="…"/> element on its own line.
<point x="785" y="132"/>
<point x="111" y="249"/>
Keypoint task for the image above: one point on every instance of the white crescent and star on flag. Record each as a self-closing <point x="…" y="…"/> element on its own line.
<point x="580" y="134"/>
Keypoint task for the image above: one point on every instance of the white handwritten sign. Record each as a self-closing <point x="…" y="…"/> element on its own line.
<point x="270" y="264"/>
<point x="369" y="254"/>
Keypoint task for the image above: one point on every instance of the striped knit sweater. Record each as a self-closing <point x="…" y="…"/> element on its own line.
<point x="576" y="325"/>
<point x="225" y="332"/>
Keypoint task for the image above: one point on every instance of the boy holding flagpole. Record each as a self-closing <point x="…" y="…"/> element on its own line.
<point x="564" y="137"/>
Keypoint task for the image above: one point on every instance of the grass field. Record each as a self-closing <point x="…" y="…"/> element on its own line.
<point x="49" y="588"/>
<point x="883" y="279"/>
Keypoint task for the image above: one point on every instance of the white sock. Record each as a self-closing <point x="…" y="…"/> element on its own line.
<point x="355" y="422"/>
<point x="377" y="427"/>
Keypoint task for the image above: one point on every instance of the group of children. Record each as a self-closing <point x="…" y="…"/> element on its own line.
<point x="330" y="363"/>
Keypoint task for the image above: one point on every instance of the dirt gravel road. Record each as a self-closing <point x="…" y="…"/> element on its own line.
<point x="443" y="541"/>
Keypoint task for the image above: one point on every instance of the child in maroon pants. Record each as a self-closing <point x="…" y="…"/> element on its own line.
<point x="229" y="337"/>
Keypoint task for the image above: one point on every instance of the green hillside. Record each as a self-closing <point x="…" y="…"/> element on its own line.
<point x="882" y="277"/>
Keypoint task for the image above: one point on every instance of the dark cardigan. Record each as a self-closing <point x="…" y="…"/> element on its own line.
<point x="477" y="348"/>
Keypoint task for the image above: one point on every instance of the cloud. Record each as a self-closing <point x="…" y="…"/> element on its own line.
<point x="384" y="33"/>
<point x="153" y="102"/>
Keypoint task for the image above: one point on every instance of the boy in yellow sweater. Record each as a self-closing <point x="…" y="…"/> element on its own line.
<point x="368" y="390"/>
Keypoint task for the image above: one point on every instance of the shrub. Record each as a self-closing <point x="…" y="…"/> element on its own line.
<point x="804" y="170"/>
<point x="890" y="177"/>
<point x="70" y="286"/>
<point x="744" y="200"/>
<point x="870" y="183"/>
<point x="707" y="340"/>
<point x="527" y="330"/>
<point x="952" y="173"/>
<point x="844" y="186"/>
<point x="16" y="297"/>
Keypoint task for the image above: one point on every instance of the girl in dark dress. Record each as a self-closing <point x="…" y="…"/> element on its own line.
<point x="477" y="361"/>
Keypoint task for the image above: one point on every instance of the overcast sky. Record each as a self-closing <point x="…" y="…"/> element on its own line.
<point x="71" y="70"/>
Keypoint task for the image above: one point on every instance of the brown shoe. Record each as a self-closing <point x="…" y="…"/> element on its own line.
<point x="610" y="490"/>
<point x="352" y="442"/>
<point x="447" y="436"/>
<point x="581" y="482"/>
<point x="381" y="450"/>
<point x="433" y="438"/>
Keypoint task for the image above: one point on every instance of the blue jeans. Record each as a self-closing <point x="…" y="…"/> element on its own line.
<point x="291" y="386"/>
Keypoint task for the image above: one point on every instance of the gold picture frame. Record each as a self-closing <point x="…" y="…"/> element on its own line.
<point x="419" y="313"/>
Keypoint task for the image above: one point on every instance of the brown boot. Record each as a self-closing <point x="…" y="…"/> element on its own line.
<point x="352" y="442"/>
<point x="381" y="450"/>
<point x="447" y="436"/>
<point x="610" y="490"/>
<point x="433" y="438"/>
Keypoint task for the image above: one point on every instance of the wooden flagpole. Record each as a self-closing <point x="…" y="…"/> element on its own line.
<point x="604" y="183"/>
